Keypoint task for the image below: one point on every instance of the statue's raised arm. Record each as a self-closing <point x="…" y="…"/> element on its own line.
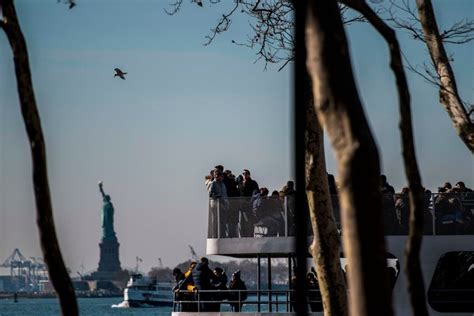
<point x="101" y="189"/>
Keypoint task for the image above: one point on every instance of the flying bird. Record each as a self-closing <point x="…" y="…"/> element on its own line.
<point x="72" y="3"/>
<point x="119" y="73"/>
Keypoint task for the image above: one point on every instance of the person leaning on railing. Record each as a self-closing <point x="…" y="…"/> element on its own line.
<point x="185" y="289"/>
<point x="450" y="218"/>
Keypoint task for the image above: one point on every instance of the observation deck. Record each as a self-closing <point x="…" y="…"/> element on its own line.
<point x="247" y="227"/>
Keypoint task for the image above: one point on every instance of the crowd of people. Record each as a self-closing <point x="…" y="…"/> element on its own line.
<point x="452" y="208"/>
<point x="239" y="207"/>
<point x="203" y="289"/>
<point x="231" y="217"/>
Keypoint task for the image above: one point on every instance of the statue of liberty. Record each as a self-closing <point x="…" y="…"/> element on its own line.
<point x="108" y="232"/>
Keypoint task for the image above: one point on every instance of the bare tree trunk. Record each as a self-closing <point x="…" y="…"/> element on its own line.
<point x="339" y="108"/>
<point x="325" y="248"/>
<point x="49" y="243"/>
<point x="416" y="285"/>
<point x="448" y="92"/>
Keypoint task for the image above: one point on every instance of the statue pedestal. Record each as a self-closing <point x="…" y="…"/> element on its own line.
<point x="109" y="263"/>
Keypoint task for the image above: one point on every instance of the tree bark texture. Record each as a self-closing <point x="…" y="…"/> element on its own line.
<point x="448" y="91"/>
<point x="47" y="233"/>
<point x="325" y="248"/>
<point x="339" y="108"/>
<point x="416" y="286"/>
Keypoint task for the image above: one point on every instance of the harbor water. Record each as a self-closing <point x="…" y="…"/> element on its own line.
<point x="106" y="307"/>
<point x="87" y="306"/>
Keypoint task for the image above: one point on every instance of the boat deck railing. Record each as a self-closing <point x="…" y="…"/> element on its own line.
<point x="241" y="217"/>
<point x="273" y="301"/>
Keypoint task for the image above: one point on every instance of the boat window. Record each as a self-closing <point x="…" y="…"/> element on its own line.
<point x="452" y="286"/>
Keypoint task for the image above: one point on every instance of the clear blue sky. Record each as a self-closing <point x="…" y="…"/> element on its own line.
<point x="183" y="109"/>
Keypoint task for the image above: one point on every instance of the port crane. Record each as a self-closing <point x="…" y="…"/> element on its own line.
<point x="25" y="273"/>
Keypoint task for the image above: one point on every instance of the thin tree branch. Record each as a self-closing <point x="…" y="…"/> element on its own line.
<point x="44" y="210"/>
<point x="460" y="32"/>
<point x="416" y="285"/>
<point x="222" y="26"/>
<point x="449" y="95"/>
<point x="271" y="23"/>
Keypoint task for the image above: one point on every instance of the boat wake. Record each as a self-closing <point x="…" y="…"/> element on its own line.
<point x="124" y="304"/>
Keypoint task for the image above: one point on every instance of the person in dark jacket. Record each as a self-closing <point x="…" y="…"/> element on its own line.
<point x="178" y="275"/>
<point x="314" y="296"/>
<point x="248" y="185"/>
<point x="203" y="276"/>
<point x="246" y="188"/>
<point x="391" y="224"/>
<point x="232" y="211"/>
<point x="219" y="283"/>
<point x="385" y="186"/>
<point x="181" y="287"/>
<point x="220" y="280"/>
<point x="237" y="292"/>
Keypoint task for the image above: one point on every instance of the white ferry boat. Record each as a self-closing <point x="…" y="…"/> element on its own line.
<point x="447" y="259"/>
<point x="141" y="291"/>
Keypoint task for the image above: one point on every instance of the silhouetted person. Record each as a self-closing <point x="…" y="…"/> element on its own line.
<point x="387" y="188"/>
<point x="219" y="283"/>
<point x="246" y="188"/>
<point x="391" y="224"/>
<point x="427" y="215"/>
<point x="314" y="297"/>
<point x="232" y="212"/>
<point x="236" y="284"/>
<point x="179" y="278"/>
<point x="178" y="275"/>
